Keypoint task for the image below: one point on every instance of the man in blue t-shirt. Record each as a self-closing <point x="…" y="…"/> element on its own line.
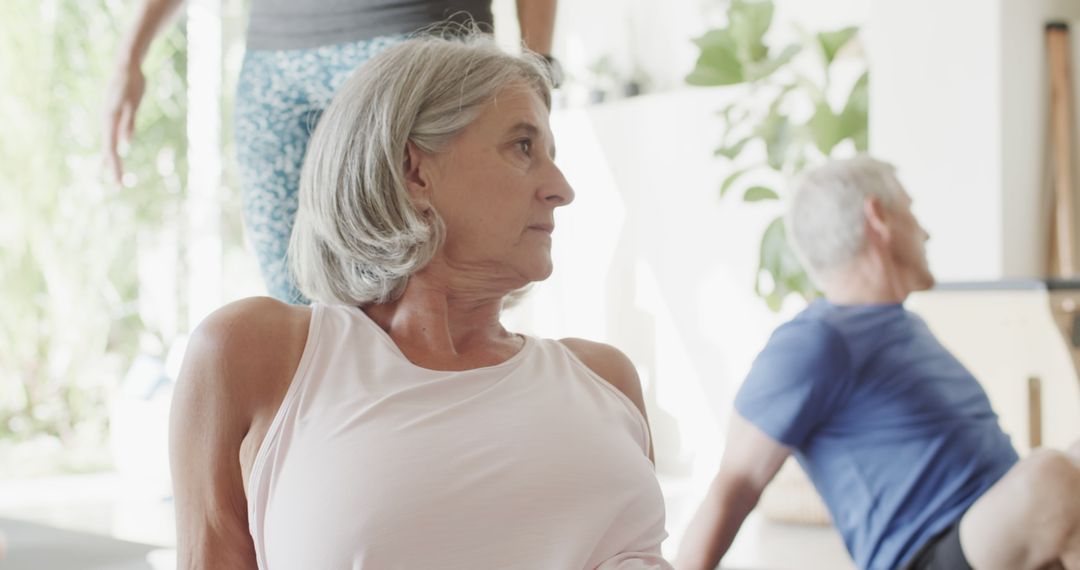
<point x="897" y="436"/>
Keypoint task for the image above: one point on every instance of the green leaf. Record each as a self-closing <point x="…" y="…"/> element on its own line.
<point x="855" y="116"/>
<point x="739" y="118"/>
<point x="774" y="247"/>
<point x="732" y="152"/>
<point x="861" y="140"/>
<point x="725" y="112"/>
<point x="759" y="193"/>
<point x="832" y="42"/>
<point x="779" y="271"/>
<point x="826" y="128"/>
<point x="777" y="133"/>
<point x="749" y="21"/>
<point x="803" y="285"/>
<point x="718" y="62"/>
<point x="858" y="102"/>
<point x="731" y="179"/>
<point x="760" y="70"/>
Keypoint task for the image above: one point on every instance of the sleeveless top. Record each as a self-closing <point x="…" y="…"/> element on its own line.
<point x="288" y="24"/>
<point x="373" y="462"/>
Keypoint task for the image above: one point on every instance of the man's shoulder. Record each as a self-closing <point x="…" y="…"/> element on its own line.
<point x="812" y="331"/>
<point x="801" y="376"/>
<point x="804" y="350"/>
<point x="859" y="330"/>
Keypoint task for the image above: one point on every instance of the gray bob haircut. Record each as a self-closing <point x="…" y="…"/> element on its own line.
<point x="358" y="237"/>
<point x="825" y="216"/>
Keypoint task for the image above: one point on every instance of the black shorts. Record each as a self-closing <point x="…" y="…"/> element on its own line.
<point x="942" y="552"/>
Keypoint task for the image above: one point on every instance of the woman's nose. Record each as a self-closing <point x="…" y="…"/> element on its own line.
<point x="558" y="190"/>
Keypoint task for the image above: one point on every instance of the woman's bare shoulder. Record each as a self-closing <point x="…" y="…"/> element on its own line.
<point x="237" y="368"/>
<point x="610" y="364"/>
<point x="247" y="350"/>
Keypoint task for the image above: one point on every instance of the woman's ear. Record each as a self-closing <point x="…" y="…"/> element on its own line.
<point x="417" y="168"/>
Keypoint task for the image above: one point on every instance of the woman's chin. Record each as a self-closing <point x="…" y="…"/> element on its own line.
<point x="544" y="272"/>
<point x="538" y="269"/>
<point x="535" y="276"/>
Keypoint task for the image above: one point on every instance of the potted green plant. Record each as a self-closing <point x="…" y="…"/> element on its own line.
<point x="764" y="130"/>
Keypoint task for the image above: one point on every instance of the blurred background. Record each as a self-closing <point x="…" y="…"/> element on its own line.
<point x="679" y="126"/>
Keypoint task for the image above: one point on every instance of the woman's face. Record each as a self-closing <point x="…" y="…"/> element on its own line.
<point x="496" y="188"/>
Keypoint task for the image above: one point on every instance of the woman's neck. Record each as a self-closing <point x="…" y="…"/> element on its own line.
<point x="445" y="319"/>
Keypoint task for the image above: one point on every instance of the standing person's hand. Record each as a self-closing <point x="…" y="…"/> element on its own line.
<point x="122" y="100"/>
<point x="127" y="84"/>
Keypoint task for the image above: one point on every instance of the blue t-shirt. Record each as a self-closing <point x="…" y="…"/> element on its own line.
<point x="897" y="436"/>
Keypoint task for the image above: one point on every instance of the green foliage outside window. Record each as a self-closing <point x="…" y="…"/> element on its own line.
<point x="69" y="326"/>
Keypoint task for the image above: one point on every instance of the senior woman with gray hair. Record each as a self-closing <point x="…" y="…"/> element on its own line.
<point x="395" y="423"/>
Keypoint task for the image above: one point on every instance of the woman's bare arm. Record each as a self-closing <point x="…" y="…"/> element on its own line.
<point x="238" y="365"/>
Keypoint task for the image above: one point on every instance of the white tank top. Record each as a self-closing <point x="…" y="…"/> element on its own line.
<point x="373" y="462"/>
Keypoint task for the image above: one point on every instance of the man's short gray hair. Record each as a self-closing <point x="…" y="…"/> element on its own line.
<point x="357" y="236"/>
<point x="825" y="216"/>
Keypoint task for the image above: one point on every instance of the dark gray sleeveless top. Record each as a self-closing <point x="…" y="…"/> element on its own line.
<point x="297" y="24"/>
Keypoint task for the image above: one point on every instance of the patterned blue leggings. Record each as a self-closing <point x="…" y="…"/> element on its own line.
<point x="280" y="96"/>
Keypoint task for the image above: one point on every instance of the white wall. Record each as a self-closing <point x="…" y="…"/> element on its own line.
<point x="1025" y="112"/>
<point x="959" y="104"/>
<point x="934" y="110"/>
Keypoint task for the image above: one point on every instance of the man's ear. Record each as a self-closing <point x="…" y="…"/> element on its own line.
<point x="417" y="167"/>
<point x="877" y="221"/>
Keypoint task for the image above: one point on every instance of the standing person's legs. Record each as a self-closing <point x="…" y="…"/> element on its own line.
<point x="1029" y="519"/>
<point x="280" y="96"/>
<point x="271" y="136"/>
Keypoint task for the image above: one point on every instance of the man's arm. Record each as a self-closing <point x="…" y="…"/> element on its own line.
<point x="537" y="21"/>
<point x="751" y="460"/>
